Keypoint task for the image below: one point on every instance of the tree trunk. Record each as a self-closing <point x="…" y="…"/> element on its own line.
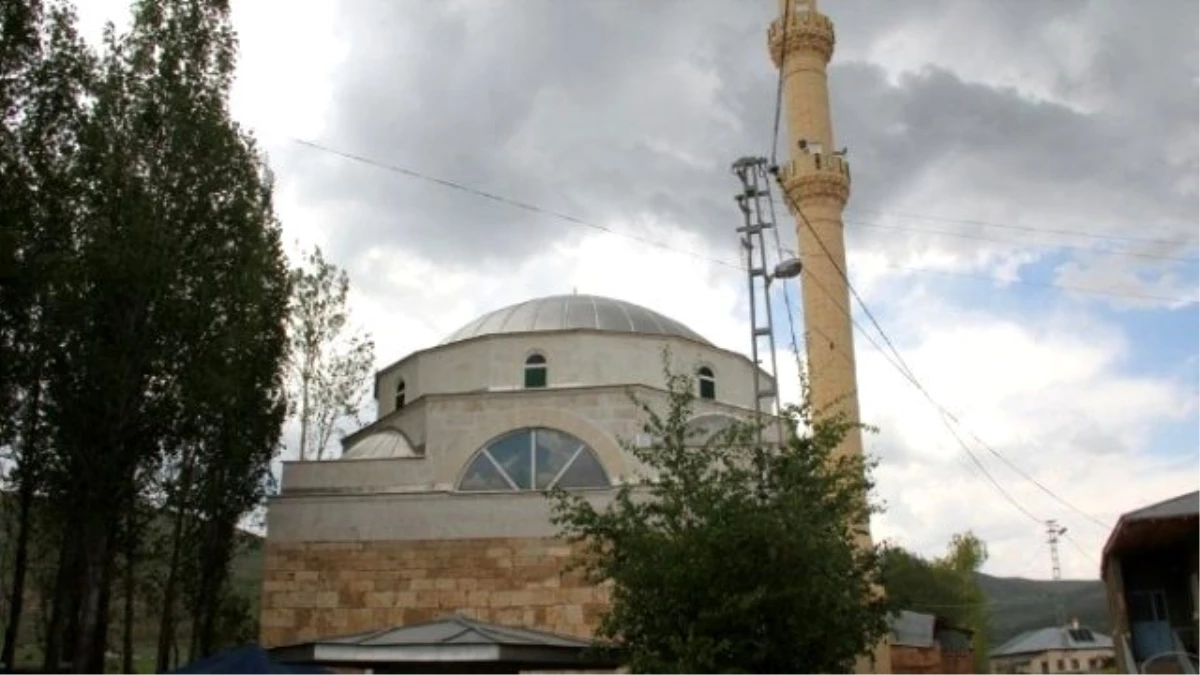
<point x="25" y="509"/>
<point x="88" y="641"/>
<point x="166" y="624"/>
<point x="20" y="565"/>
<point x="64" y="613"/>
<point x="130" y="562"/>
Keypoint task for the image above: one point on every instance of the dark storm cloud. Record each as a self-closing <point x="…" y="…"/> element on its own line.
<point x="616" y="110"/>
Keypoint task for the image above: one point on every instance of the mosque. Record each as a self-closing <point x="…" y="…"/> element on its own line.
<point x="437" y="509"/>
<point x="438" y="506"/>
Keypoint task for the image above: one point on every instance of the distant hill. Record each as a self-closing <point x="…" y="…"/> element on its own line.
<point x="1017" y="605"/>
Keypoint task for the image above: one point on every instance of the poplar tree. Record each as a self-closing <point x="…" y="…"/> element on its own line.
<point x="330" y="361"/>
<point x="147" y="292"/>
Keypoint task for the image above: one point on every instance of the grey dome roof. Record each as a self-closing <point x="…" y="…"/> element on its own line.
<point x="571" y="312"/>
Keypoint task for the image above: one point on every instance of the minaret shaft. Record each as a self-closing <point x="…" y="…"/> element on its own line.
<point x="816" y="179"/>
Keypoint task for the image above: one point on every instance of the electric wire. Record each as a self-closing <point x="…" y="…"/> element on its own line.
<point x="954" y="418"/>
<point x="1071" y="540"/>
<point x="896" y="359"/>
<point x="664" y="246"/>
<point x="787" y="15"/>
<point x="1027" y="228"/>
<point x="1018" y="242"/>
<point x="411" y="173"/>
<point x="897" y="362"/>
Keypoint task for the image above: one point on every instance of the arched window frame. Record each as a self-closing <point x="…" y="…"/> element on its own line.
<point x="400" y="392"/>
<point x="575" y="451"/>
<point x="707" y="383"/>
<point x="536" y="371"/>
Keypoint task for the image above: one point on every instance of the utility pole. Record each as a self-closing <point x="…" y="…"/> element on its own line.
<point x="1053" y="532"/>
<point x="754" y="201"/>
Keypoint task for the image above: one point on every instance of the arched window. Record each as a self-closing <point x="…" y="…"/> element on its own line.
<point x="708" y="383"/>
<point x="400" y="394"/>
<point x="533" y="459"/>
<point x="535" y="371"/>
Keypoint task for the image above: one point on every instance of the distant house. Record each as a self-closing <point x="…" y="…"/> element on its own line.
<point x="1150" y="572"/>
<point x="924" y="643"/>
<point x="1066" y="649"/>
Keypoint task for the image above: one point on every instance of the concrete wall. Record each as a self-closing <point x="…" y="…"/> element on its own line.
<point x="1048" y="662"/>
<point x="575" y="358"/>
<point x="453" y="427"/>
<point x="417" y="516"/>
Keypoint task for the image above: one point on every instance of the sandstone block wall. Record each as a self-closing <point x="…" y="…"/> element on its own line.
<point x="325" y="589"/>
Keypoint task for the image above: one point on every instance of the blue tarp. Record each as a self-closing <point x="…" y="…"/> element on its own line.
<point x="248" y="659"/>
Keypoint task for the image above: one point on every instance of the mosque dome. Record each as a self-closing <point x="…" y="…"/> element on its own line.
<point x="574" y="312"/>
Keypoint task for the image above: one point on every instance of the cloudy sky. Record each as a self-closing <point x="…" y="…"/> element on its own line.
<point x="1023" y="221"/>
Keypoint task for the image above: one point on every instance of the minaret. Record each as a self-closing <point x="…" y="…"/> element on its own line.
<point x="816" y="177"/>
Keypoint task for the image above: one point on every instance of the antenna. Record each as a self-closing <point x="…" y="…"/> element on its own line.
<point x="1053" y="532"/>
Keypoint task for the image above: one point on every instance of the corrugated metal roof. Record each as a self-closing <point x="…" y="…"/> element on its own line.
<point x="912" y="629"/>
<point x="1045" y="639"/>
<point x="569" y="312"/>
<point x="1183" y="505"/>
<point x="456" y="630"/>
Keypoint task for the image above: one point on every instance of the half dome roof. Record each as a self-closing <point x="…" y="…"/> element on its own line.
<point x="574" y="312"/>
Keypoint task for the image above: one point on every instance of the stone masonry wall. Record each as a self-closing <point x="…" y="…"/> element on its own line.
<point x="325" y="589"/>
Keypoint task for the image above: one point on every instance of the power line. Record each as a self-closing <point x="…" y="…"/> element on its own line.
<point x="1017" y="242"/>
<point x="411" y="173"/>
<point x="1034" y="284"/>
<point x="1027" y="228"/>
<point x="662" y="245"/>
<point x="908" y="375"/>
<point x="1079" y="548"/>
<point x="898" y="361"/>
<point x="787" y="12"/>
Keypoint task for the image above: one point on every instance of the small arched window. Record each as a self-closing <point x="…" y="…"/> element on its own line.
<point x="708" y="383"/>
<point x="535" y="371"/>
<point x="400" y="394"/>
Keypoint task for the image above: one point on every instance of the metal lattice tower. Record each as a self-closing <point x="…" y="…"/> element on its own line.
<point x="1053" y="532"/>
<point x="754" y="202"/>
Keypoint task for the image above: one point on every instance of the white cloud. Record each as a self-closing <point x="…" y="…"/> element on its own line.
<point x="1050" y="392"/>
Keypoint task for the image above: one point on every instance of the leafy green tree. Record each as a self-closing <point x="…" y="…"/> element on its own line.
<point x="143" y="304"/>
<point x="330" y="361"/>
<point x="946" y="586"/>
<point x="733" y="557"/>
<point x="965" y="558"/>
<point x="44" y="70"/>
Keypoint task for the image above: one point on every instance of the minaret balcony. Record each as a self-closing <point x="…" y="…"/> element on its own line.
<point x="812" y="175"/>
<point x="807" y="31"/>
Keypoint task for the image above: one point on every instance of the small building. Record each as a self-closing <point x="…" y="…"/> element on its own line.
<point x="1066" y="649"/>
<point x="924" y="643"/>
<point x="1149" y="569"/>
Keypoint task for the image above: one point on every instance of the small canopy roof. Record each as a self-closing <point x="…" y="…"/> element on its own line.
<point x="453" y="644"/>
<point x="1156" y="525"/>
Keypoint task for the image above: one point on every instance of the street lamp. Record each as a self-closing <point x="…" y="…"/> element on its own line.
<point x="786" y="269"/>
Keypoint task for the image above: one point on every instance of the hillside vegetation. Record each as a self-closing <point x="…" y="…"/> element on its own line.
<point x="1016" y="605"/>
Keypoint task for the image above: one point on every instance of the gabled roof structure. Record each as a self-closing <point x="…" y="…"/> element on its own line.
<point x="1149" y="526"/>
<point x="1053" y="638"/>
<point x="453" y="644"/>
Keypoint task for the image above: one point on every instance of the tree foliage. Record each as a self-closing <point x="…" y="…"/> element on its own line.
<point x="733" y="557"/>
<point x="330" y="360"/>
<point x="946" y="586"/>
<point x="143" y="306"/>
